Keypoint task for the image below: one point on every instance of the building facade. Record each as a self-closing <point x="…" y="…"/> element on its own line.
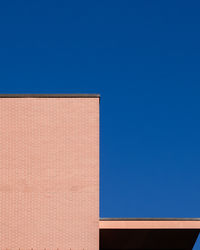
<point x="49" y="182"/>
<point x="49" y="172"/>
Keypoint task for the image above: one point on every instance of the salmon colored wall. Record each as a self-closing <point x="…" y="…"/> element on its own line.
<point x="49" y="173"/>
<point x="150" y="224"/>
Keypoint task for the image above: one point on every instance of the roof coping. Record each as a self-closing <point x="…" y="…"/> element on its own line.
<point x="149" y="219"/>
<point x="49" y="95"/>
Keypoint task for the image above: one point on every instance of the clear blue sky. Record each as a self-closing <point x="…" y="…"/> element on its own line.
<point x="143" y="57"/>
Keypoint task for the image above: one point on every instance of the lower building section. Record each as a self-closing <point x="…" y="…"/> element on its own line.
<point x="148" y="234"/>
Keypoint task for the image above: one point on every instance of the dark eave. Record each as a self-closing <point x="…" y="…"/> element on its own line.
<point x="149" y="219"/>
<point x="49" y="95"/>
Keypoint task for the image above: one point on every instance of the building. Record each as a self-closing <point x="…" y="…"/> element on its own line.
<point x="49" y="182"/>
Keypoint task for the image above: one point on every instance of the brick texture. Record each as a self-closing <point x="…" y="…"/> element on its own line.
<point x="49" y="173"/>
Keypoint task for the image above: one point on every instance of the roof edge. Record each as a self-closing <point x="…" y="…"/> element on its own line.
<point x="49" y="95"/>
<point x="149" y="219"/>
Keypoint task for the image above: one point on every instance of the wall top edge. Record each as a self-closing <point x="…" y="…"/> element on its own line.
<point x="49" y="95"/>
<point x="149" y="219"/>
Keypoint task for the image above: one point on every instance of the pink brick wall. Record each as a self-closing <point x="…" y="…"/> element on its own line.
<point x="49" y="173"/>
